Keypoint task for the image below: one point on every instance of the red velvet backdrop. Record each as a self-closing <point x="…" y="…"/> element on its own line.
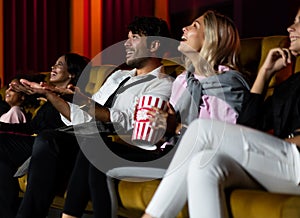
<point x="35" y="33"/>
<point x="118" y="13"/>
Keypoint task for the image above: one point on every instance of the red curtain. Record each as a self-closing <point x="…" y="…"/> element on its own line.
<point x="36" y="33"/>
<point x="98" y="24"/>
<point x="117" y="14"/>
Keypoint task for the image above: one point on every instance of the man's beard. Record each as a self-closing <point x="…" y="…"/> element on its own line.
<point x="137" y="63"/>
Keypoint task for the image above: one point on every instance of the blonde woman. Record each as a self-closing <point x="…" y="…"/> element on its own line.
<point x="228" y="156"/>
<point x="215" y="91"/>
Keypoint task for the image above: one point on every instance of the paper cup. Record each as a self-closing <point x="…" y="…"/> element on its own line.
<point x="143" y="133"/>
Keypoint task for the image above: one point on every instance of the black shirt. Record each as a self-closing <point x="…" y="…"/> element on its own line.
<point x="47" y="117"/>
<point x="279" y="112"/>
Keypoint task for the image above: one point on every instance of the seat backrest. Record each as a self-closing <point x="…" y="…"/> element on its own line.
<point x="253" y="54"/>
<point x="98" y="75"/>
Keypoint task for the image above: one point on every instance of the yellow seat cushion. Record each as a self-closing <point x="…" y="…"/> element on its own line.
<point x="261" y="204"/>
<point x="135" y="196"/>
<point x="98" y="75"/>
<point x="23" y="183"/>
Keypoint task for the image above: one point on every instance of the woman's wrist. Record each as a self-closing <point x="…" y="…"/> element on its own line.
<point x="261" y="81"/>
<point x="264" y="75"/>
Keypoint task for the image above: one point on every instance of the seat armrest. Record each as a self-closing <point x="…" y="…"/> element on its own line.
<point x="134" y="174"/>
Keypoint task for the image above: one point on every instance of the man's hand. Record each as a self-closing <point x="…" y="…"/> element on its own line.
<point x="295" y="140"/>
<point x="69" y="90"/>
<point x="79" y="98"/>
<point x="164" y="119"/>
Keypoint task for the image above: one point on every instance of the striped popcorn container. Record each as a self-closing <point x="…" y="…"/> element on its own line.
<point x="143" y="133"/>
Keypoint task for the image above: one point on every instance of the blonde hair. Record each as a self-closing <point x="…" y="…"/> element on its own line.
<point x="222" y="42"/>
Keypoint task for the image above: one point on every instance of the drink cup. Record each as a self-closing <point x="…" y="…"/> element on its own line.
<point x="143" y="132"/>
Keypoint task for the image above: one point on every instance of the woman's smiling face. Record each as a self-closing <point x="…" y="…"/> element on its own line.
<point x="193" y="36"/>
<point x="59" y="73"/>
<point x="294" y="34"/>
<point x="12" y="97"/>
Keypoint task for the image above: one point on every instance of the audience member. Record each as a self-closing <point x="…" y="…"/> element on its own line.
<point x="210" y="160"/>
<point x="221" y="71"/>
<point x="16" y="148"/>
<point x="15" y="100"/>
<point x="53" y="153"/>
<point x="212" y="87"/>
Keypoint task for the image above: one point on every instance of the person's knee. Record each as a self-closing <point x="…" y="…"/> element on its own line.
<point x="44" y="143"/>
<point x="209" y="163"/>
<point x="201" y="127"/>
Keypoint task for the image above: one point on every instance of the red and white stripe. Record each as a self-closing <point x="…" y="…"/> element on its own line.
<point x="142" y="127"/>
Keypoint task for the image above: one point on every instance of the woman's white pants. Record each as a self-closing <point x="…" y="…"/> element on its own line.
<point x="214" y="155"/>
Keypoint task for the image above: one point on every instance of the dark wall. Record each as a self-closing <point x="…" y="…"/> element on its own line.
<point x="267" y="17"/>
<point x="252" y="17"/>
<point x="183" y="14"/>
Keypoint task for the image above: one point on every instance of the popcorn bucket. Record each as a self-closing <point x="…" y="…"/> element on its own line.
<point x="143" y="133"/>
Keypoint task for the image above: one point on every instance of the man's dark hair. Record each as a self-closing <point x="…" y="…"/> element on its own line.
<point x="149" y="26"/>
<point x="152" y="27"/>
